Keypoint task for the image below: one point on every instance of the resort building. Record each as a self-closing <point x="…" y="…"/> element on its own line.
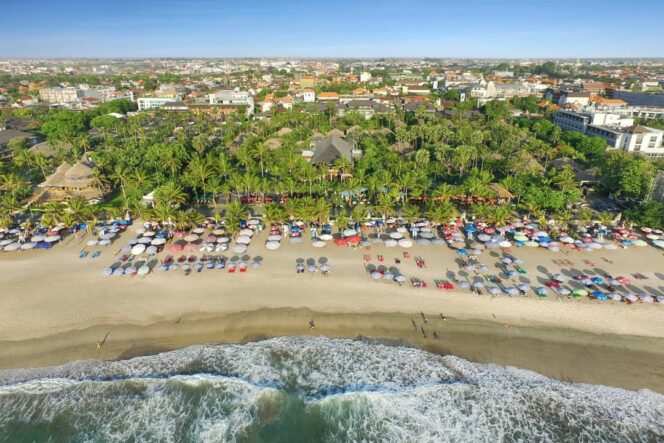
<point x="328" y="150"/>
<point x="146" y="103"/>
<point x="234" y="97"/>
<point x="70" y="181"/>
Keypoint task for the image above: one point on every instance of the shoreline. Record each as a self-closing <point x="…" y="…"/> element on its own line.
<point x="569" y="355"/>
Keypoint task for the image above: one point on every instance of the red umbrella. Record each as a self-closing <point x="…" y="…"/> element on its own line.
<point x="353" y="239"/>
<point x="340" y="242"/>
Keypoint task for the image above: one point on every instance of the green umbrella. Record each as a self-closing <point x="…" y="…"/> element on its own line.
<point x="579" y="293"/>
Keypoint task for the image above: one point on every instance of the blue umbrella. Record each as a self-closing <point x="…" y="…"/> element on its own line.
<point x="597" y="280"/>
<point x="599" y="295"/>
<point x="462" y="252"/>
<point x="543" y="239"/>
<point x="43" y="245"/>
<point x="626" y="242"/>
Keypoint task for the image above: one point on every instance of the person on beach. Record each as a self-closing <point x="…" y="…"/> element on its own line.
<point x="312" y="325"/>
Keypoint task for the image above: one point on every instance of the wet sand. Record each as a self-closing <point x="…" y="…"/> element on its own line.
<point x="622" y="361"/>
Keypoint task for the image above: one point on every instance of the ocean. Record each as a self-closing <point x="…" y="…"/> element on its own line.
<point x="314" y="389"/>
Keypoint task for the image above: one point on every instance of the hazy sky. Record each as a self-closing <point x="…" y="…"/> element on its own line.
<point x="353" y="28"/>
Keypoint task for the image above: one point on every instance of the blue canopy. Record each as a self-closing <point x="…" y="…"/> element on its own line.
<point x="462" y="252"/>
<point x="599" y="295"/>
<point x="43" y="245"/>
<point x="597" y="280"/>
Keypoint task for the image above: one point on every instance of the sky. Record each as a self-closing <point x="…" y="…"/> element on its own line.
<point x="342" y="28"/>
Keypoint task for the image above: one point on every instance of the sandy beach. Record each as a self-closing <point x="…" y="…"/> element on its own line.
<point x="56" y="307"/>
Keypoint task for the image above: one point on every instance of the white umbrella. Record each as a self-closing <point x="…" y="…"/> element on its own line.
<point x="219" y="232"/>
<point x="493" y="290"/>
<point x="107" y="236"/>
<point x="104" y="242"/>
<point x="404" y="243"/>
<point x="12" y="247"/>
<point x="272" y="245"/>
<point x="253" y="222"/>
<point x="243" y="240"/>
<point x="559" y="278"/>
<point x="37" y="238"/>
<point x="614" y="296"/>
<point x="491" y="245"/>
<point x="396" y="235"/>
<point x="158" y="241"/>
<point x="198" y="230"/>
<point x="349" y="232"/>
<point x="388" y="276"/>
<point x="478" y="284"/>
<point x="325" y="237"/>
<point x="646" y="298"/>
<point x="149" y="234"/>
<point x="247" y="232"/>
<point x="138" y="249"/>
<point x="92" y="242"/>
<point x="376" y="275"/>
<point x="428" y="235"/>
<point x="151" y="250"/>
<point x="28" y="245"/>
<point x="484" y="237"/>
<point x="505" y="244"/>
<point x="52" y="238"/>
<point x="524" y="287"/>
<point x="6" y="242"/>
<point x="144" y="240"/>
<point x="274" y="237"/>
<point x="239" y="249"/>
<point x="423" y="241"/>
<point x="295" y="240"/>
<point x="223" y="239"/>
<point x="318" y="244"/>
<point x="511" y="291"/>
<point x="567" y="240"/>
<point x="400" y="278"/>
<point x="506" y="260"/>
<point x="630" y="297"/>
<point x="207" y="247"/>
<point x="390" y="243"/>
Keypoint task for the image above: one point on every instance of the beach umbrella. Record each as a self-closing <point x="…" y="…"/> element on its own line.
<point x="458" y="245"/>
<point x="464" y="284"/>
<point x="108" y="236"/>
<point x="506" y="260"/>
<point x="376" y="275"/>
<point x="103" y="242"/>
<point x="659" y="243"/>
<point x="567" y="239"/>
<point x="349" y="232"/>
<point x="478" y="284"/>
<point x="163" y="268"/>
<point x="158" y="241"/>
<point x="144" y="240"/>
<point x="531" y="244"/>
<point x="138" y="249"/>
<point x="149" y="234"/>
<point x="210" y="239"/>
<point x="623" y="280"/>
<point x="405" y="243"/>
<point x="92" y="242"/>
<point x="542" y="291"/>
<point x="614" y="296"/>
<point x="493" y="290"/>
<point x="219" y="232"/>
<point x="640" y="243"/>
<point x="318" y="244"/>
<point x="37" y="238"/>
<point x="273" y="237"/>
<point x="579" y="293"/>
<point x="206" y="247"/>
<point x="563" y="291"/>
<point x="106" y="272"/>
<point x="119" y="271"/>
<point x="253" y="222"/>
<point x="272" y="245"/>
<point x="6" y="242"/>
<point x="390" y="243"/>
<point x="326" y="237"/>
<point x="240" y="249"/>
<point x="660" y="299"/>
<point x="198" y="230"/>
<point x="511" y="291"/>
<point x="325" y="268"/>
<point x="597" y="280"/>
<point x="295" y="240"/>
<point x="247" y="232"/>
<point x="175" y="248"/>
<point x="599" y="295"/>
<point x="226" y="239"/>
<point x="28" y="245"/>
<point x="631" y="297"/>
<point x="388" y="276"/>
<point x="191" y="237"/>
<point x="133" y="241"/>
<point x="399" y="279"/>
<point x="52" y="238"/>
<point x="243" y="240"/>
<point x="353" y="239"/>
<point x="151" y="250"/>
<point x="189" y="247"/>
<point x="524" y="287"/>
<point x="423" y="241"/>
<point x="476" y="251"/>
<point x="558" y="277"/>
<point x="517" y="261"/>
<point x="484" y="237"/>
<point x="476" y="245"/>
<point x="426" y="235"/>
<point x="646" y="298"/>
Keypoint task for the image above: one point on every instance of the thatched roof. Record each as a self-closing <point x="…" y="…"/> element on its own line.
<point x="501" y="191"/>
<point x="49" y="149"/>
<point x="79" y="176"/>
<point x="58" y="178"/>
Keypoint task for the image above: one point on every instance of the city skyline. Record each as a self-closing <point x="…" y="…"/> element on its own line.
<point x="365" y="29"/>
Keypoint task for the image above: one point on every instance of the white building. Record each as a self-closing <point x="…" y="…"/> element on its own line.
<point x="145" y="103"/>
<point x="307" y="96"/>
<point x="618" y="131"/>
<point x="233" y="97"/>
<point x="60" y="95"/>
<point x="574" y="98"/>
<point x="365" y="76"/>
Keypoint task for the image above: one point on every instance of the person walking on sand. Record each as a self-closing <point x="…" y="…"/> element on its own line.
<point x="312" y="325"/>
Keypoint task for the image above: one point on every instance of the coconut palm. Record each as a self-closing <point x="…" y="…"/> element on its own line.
<point x="273" y="213"/>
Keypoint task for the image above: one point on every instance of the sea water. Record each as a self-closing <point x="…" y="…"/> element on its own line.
<point x="311" y="389"/>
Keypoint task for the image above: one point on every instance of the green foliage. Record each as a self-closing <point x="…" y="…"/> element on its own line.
<point x="64" y="125"/>
<point x="650" y="214"/>
<point x="626" y="175"/>
<point x="496" y="109"/>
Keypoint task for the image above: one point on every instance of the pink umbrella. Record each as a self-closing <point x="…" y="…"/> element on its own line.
<point x="175" y="248"/>
<point x="190" y="247"/>
<point x="210" y="239"/>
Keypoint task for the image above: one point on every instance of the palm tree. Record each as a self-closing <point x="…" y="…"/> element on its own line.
<point x="53" y="210"/>
<point x="121" y="176"/>
<point x="605" y="218"/>
<point x="321" y="211"/>
<point x="235" y="213"/>
<point x="199" y="172"/>
<point x="78" y="209"/>
<point x="273" y="214"/>
<point x="410" y="212"/>
<point x="440" y="213"/>
<point x="170" y="194"/>
<point x="164" y="212"/>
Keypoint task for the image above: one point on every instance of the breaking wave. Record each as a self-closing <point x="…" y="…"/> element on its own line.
<point x="304" y="389"/>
